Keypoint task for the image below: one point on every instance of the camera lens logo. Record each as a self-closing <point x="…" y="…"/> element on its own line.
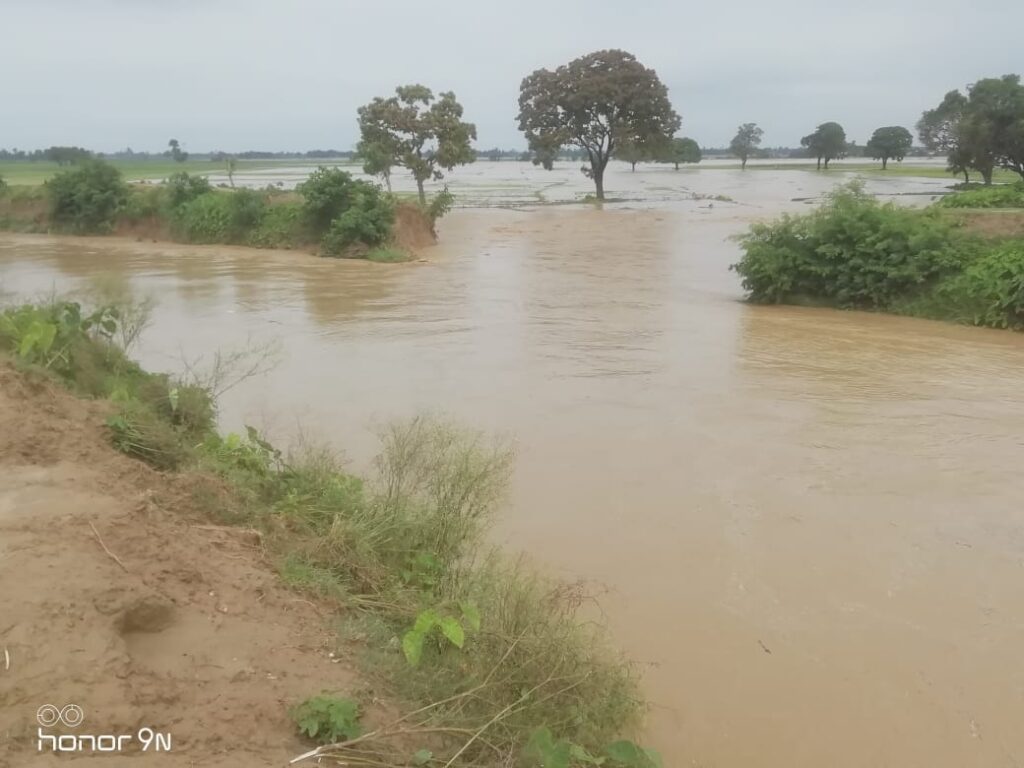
<point x="49" y="716"/>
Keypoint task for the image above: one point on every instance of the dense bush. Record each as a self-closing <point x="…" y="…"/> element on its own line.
<point x="218" y="217"/>
<point x="852" y="252"/>
<point x="990" y="291"/>
<point x="327" y="193"/>
<point x="367" y="220"/>
<point x="181" y="188"/>
<point x="281" y="226"/>
<point x="1000" y="196"/>
<point x="87" y="198"/>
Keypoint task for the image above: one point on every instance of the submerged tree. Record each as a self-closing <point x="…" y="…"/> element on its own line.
<point x="826" y="143"/>
<point x="231" y="165"/>
<point x="681" y="150"/>
<point x="745" y="142"/>
<point x="412" y="130"/>
<point x="891" y="142"/>
<point x="597" y="103"/>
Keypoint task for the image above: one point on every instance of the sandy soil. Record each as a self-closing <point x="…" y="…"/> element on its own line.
<point x="189" y="634"/>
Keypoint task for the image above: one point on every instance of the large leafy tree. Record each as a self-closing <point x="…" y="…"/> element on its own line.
<point x="745" y="142"/>
<point x="596" y="102"/>
<point x="981" y="130"/>
<point x="681" y="150"/>
<point x="891" y="142"/>
<point x="413" y="130"/>
<point x="941" y="130"/>
<point x="826" y="143"/>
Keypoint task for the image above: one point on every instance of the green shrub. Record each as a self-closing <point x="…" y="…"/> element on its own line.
<point x="219" y="217"/>
<point x="181" y="188"/>
<point x="327" y="193"/>
<point x="367" y="221"/>
<point x="3" y="186"/>
<point x="87" y="198"/>
<point x="143" y="203"/>
<point x="852" y="252"/>
<point x="206" y="219"/>
<point x="997" y="196"/>
<point x="282" y="226"/>
<point x="989" y="292"/>
<point x="440" y="204"/>
<point x="327" y="719"/>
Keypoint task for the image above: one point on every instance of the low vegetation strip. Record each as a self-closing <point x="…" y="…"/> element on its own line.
<point x="330" y="212"/>
<point x="488" y="660"/>
<point x="857" y="253"/>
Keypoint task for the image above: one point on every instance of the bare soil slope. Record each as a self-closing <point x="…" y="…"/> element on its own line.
<point x="192" y="636"/>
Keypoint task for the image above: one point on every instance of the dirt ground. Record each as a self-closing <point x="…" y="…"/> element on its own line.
<point x="116" y="597"/>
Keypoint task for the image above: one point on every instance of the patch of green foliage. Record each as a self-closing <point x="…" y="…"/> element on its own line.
<point x="852" y="252"/>
<point x="344" y="212"/>
<point x="855" y="252"/>
<point x="989" y="291"/>
<point x="87" y="198"/>
<point x="998" y="196"/>
<point x="156" y="418"/>
<point x="218" y="216"/>
<point x="327" y="719"/>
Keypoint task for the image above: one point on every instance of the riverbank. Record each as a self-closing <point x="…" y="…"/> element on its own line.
<point x="486" y="658"/>
<point x="331" y="213"/>
<point x="856" y="253"/>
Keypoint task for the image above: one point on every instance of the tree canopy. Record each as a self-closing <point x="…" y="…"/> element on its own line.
<point x="176" y="152"/>
<point x="981" y="130"/>
<point x="745" y="142"/>
<point x="681" y="150"/>
<point x="596" y="102"/>
<point x="826" y="143"/>
<point x="890" y="142"/>
<point x="413" y="130"/>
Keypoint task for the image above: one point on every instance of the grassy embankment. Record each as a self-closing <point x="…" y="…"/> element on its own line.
<point x="330" y="213"/>
<point x="487" y="659"/>
<point x="952" y="261"/>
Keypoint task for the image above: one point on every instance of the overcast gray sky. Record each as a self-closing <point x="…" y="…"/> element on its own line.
<point x="289" y="74"/>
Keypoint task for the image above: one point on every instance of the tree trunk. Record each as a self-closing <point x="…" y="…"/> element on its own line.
<point x="599" y="181"/>
<point x="967" y="178"/>
<point x="885" y="161"/>
<point x="423" y="195"/>
<point x="819" y="162"/>
<point x="633" y="164"/>
<point x="743" y="163"/>
<point x="677" y="166"/>
<point x="826" y="162"/>
<point x="387" y="181"/>
<point x="987" y="176"/>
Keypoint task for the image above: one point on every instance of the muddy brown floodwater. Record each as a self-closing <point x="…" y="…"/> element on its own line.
<point x="810" y="524"/>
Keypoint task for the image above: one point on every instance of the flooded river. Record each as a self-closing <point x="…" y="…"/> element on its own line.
<point x="809" y="525"/>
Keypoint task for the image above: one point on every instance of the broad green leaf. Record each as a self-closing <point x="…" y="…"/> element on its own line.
<point x="626" y="753"/>
<point x="412" y="647"/>
<point x="422" y="757"/>
<point x="453" y="631"/>
<point x="425" y="622"/>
